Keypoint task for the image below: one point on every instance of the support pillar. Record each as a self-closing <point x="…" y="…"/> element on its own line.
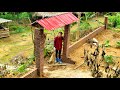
<point x="66" y="42"/>
<point x="39" y="41"/>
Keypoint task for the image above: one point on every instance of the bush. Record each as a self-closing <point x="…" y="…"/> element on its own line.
<point x="7" y="16"/>
<point x="85" y="26"/>
<point x="88" y="15"/>
<point x="17" y="29"/>
<point x="23" y="15"/>
<point x="48" y="50"/>
<point x="114" y="20"/>
<point x="15" y="15"/>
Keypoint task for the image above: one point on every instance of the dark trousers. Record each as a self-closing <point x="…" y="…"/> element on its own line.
<point x="58" y="53"/>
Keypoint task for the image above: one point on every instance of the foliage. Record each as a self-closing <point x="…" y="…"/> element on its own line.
<point x="118" y="44"/>
<point x="7" y="15"/>
<point x="18" y="18"/>
<point x="18" y="29"/>
<point x="15" y="15"/>
<point x="48" y="49"/>
<point x="23" y="15"/>
<point x="107" y="43"/>
<point x="85" y="26"/>
<point x="22" y="67"/>
<point x="73" y="24"/>
<point x="88" y="15"/>
<point x="114" y="20"/>
<point x="108" y="59"/>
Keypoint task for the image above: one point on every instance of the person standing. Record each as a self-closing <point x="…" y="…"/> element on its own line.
<point x="58" y="47"/>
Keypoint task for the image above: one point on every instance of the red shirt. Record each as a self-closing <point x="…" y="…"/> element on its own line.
<point x="58" y="42"/>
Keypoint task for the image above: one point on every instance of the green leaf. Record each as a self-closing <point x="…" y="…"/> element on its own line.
<point x="108" y="59"/>
<point x="118" y="44"/>
<point x="107" y="43"/>
<point x="21" y="68"/>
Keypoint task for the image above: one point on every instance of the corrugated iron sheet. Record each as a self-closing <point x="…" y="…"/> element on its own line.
<point x="4" y="20"/>
<point x="57" y="21"/>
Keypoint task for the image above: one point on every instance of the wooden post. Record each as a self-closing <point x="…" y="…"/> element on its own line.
<point x="39" y="50"/>
<point x="66" y="42"/>
<point x="78" y="23"/>
<point x="106" y="22"/>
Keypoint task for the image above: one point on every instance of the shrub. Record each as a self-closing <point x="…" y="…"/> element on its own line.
<point x="7" y="16"/>
<point x="88" y="15"/>
<point x="23" y="15"/>
<point x="17" y="29"/>
<point x="114" y="20"/>
<point x="48" y="50"/>
<point x="85" y="26"/>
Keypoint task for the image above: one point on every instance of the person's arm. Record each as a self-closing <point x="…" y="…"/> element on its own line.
<point x="54" y="41"/>
<point x="62" y="38"/>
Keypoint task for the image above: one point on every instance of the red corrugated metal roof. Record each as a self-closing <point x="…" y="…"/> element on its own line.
<point x="57" y="21"/>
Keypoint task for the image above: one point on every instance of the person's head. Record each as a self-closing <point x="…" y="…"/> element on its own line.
<point x="60" y="34"/>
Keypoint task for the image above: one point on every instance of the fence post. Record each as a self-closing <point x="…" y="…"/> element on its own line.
<point x="106" y="22"/>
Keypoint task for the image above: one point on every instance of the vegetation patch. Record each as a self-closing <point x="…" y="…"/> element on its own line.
<point x="107" y="43"/>
<point x="108" y="59"/>
<point x="118" y="44"/>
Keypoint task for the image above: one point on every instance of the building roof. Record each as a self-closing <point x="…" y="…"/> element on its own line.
<point x="4" y="20"/>
<point x="48" y="14"/>
<point x="57" y="21"/>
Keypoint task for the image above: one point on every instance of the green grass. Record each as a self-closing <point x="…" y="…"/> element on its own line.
<point x="15" y="44"/>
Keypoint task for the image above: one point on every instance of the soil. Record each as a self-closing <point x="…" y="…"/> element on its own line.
<point x="69" y="71"/>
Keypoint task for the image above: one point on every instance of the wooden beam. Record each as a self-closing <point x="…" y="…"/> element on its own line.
<point x="106" y="22"/>
<point x="39" y="40"/>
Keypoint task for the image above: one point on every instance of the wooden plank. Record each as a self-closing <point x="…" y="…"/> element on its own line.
<point x="58" y="65"/>
<point x="4" y="33"/>
<point x="31" y="74"/>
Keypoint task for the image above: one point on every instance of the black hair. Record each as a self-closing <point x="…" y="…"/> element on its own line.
<point x="61" y="33"/>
